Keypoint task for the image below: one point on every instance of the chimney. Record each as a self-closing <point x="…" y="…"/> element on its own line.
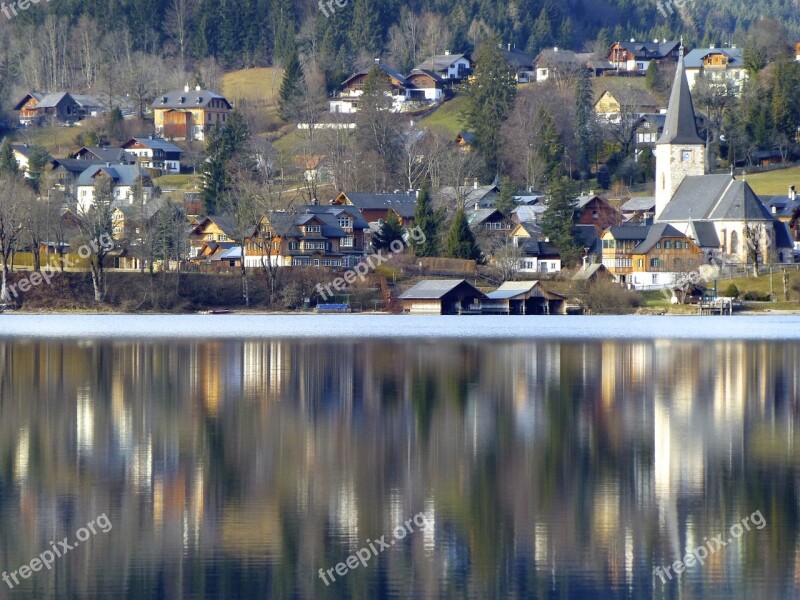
<point x="509" y="47"/>
<point x="591" y="193"/>
<point x="712" y="46"/>
<point x="447" y="52"/>
<point x="197" y="88"/>
<point x="377" y="61"/>
<point x="774" y="210"/>
<point x="475" y="183"/>
<point x="555" y="48"/>
<point x="792" y="193"/>
<point x="186" y="88"/>
<point x="477" y="205"/>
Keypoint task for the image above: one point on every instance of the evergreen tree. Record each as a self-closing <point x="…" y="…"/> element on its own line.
<point x="551" y="149"/>
<point x="390" y="230"/>
<point x="366" y="32"/>
<point x="428" y="222"/>
<point x="37" y="163"/>
<point x="489" y="101"/>
<point x="290" y="86"/>
<point x="566" y="33"/>
<point x="505" y="199"/>
<point x="651" y="77"/>
<point x="558" y="221"/>
<point x="460" y="241"/>
<point x="8" y="163"/>
<point x="584" y="115"/>
<point x="542" y="35"/>
<point x="225" y="143"/>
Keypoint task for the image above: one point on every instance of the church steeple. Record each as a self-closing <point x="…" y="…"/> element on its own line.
<point x="680" y="126"/>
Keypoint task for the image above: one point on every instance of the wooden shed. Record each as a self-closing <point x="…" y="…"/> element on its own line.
<point x="443" y="297"/>
<point x="524" y="298"/>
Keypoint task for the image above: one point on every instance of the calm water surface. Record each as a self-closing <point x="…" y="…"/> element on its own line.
<point x="523" y="468"/>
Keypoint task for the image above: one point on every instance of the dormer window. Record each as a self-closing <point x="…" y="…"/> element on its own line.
<point x="182" y="100"/>
<point x="313" y="229"/>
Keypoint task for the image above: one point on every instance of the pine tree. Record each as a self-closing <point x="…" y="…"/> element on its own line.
<point x="651" y="77"/>
<point x="490" y="100"/>
<point x="460" y="241"/>
<point x="390" y="230"/>
<point x="8" y="163"/>
<point x="366" y="31"/>
<point x="550" y="148"/>
<point x="505" y="199"/>
<point x="583" y="123"/>
<point x="224" y="144"/>
<point x="558" y="221"/>
<point x="427" y="220"/>
<point x="290" y="86"/>
<point x="542" y="35"/>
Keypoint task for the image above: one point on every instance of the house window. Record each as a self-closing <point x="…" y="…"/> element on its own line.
<point x="344" y="222"/>
<point x="655" y="279"/>
<point x="658" y="245"/>
<point x="594" y="214"/>
<point x="654" y="263"/>
<point x="347" y="242"/>
<point x="316" y="262"/>
<point x="292" y="245"/>
<point x="313" y="228"/>
<point x="667" y="245"/>
<point x="223" y="237"/>
<point x="640" y="263"/>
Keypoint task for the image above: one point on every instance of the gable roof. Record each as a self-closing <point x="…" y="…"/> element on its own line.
<point x="680" y="126"/>
<point x="714" y="198"/>
<point x="403" y="204"/>
<point x="695" y="58"/>
<point x="440" y="62"/>
<point x="121" y="174"/>
<point x="635" y="233"/>
<point x="629" y="96"/>
<point x="517" y="59"/>
<point x="476" y="217"/>
<point x="656" y="233"/>
<point x="435" y="289"/>
<point x="107" y="154"/>
<point x="388" y="71"/>
<point x="44" y="99"/>
<point x="192" y="99"/>
<point x="589" y="271"/>
<point x="704" y="234"/>
<point x="154" y="143"/>
<point x="783" y="236"/>
<point x="643" y="204"/>
<point x="650" y="50"/>
<point x="432" y="74"/>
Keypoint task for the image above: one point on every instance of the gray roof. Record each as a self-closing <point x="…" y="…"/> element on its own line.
<point x="389" y="71"/>
<point x="704" y="234"/>
<point x="107" y="154"/>
<point x="403" y="204"/>
<point x="714" y="198"/>
<point x="514" y="289"/>
<point x="433" y="74"/>
<point x="75" y="165"/>
<point x="157" y="144"/>
<point x="648" y="50"/>
<point x="470" y="194"/>
<point x="555" y="57"/>
<point x="435" y="289"/>
<point x="680" y="126"/>
<point x="783" y="236"/>
<point x="52" y="100"/>
<point x="476" y="217"/>
<point x="587" y="237"/>
<point x="694" y="60"/>
<point x="190" y="99"/>
<point x="440" y="62"/>
<point x="645" y="204"/>
<point x="656" y="233"/>
<point x="533" y="247"/>
<point x="630" y="232"/>
<point x="121" y="174"/>
<point x="517" y="59"/>
<point x="587" y="272"/>
<point x="780" y="206"/>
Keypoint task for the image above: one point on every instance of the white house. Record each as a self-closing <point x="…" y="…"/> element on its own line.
<point x="447" y="66"/>
<point x="124" y="179"/>
<point x="155" y="153"/>
<point x="718" y="65"/>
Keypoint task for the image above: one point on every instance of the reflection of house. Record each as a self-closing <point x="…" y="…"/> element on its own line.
<point x="635" y="57"/>
<point x="376" y="207"/>
<point x="189" y="114"/>
<point x="717" y="65"/>
<point x="442" y="297"/>
<point x="523" y="298"/>
<point x="155" y="153"/>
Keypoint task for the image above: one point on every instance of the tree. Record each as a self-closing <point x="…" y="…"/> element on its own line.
<point x="651" y="76"/>
<point x="291" y="85"/>
<point x="584" y="124"/>
<point x="505" y="199"/>
<point x="224" y="144"/>
<point x="37" y="163"/>
<point x="8" y="163"/>
<point x="14" y="194"/>
<point x="551" y="150"/>
<point x="96" y="235"/>
<point x="390" y="230"/>
<point x="460" y="241"/>
<point x="558" y="221"/>
<point x="490" y="99"/>
<point x="427" y="220"/>
<point x="366" y="32"/>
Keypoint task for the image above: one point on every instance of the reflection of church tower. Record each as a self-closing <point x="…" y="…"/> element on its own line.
<point x="679" y="152"/>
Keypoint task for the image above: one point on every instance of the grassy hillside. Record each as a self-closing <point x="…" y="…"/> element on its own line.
<point x="447" y="119"/>
<point x="774" y="183"/>
<point x="257" y="87"/>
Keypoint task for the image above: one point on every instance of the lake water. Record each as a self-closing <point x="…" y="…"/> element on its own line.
<point x="555" y="457"/>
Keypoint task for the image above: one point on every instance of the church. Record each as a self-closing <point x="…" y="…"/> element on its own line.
<point x="720" y="213"/>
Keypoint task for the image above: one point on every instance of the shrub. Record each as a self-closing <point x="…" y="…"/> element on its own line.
<point x="732" y="291"/>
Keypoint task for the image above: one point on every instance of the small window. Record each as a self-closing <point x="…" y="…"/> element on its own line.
<point x="658" y="245"/>
<point x="654" y="263"/>
<point x="667" y="245"/>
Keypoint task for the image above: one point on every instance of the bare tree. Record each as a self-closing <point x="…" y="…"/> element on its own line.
<point x="14" y="195"/>
<point x="757" y="242"/>
<point x="96" y="235"/>
<point x="178" y="26"/>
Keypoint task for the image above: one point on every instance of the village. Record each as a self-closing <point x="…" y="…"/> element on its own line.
<point x="672" y="242"/>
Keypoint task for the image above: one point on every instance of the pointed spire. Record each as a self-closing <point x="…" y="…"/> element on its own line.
<point x="680" y="126"/>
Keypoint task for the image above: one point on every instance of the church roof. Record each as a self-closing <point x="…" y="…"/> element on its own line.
<point x="714" y="198"/>
<point x="680" y="126"/>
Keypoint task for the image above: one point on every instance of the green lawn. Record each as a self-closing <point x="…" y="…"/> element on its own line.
<point x="188" y="182"/>
<point x="773" y="183"/>
<point x="447" y="119"/>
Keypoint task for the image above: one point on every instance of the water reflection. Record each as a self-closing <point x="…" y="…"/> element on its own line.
<point x="549" y="469"/>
